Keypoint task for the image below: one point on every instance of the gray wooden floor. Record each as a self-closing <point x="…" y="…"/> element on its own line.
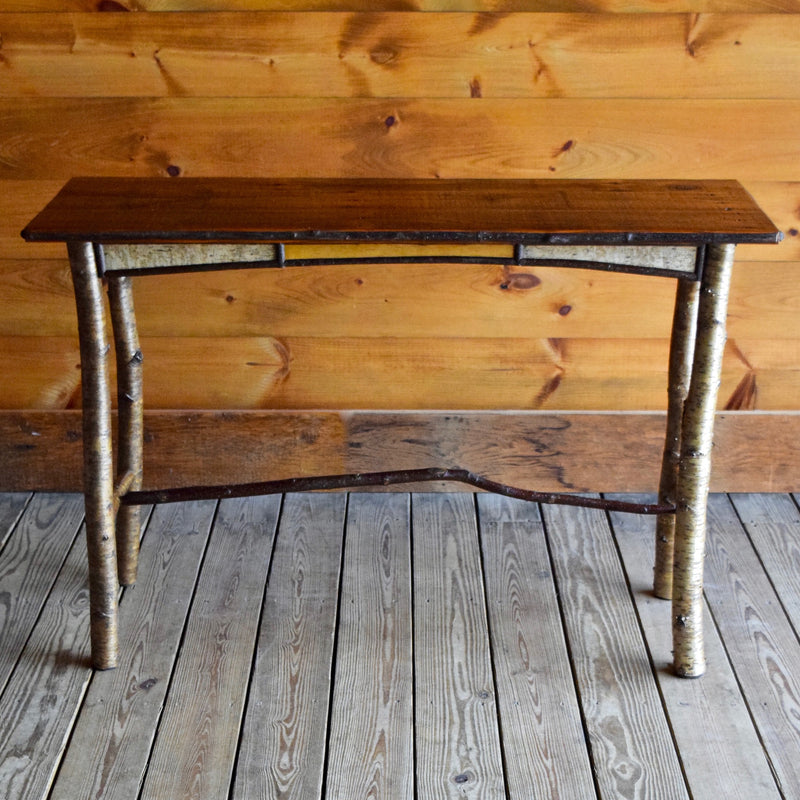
<point x="398" y="646"/>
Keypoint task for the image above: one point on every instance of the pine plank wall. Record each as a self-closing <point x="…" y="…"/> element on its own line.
<point x="422" y="88"/>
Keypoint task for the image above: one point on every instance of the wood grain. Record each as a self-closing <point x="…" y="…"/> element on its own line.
<point x="482" y="7"/>
<point x="12" y="505"/>
<point x="22" y="199"/>
<point x="710" y="721"/>
<point x="631" y="745"/>
<point x="553" y="452"/>
<point x="282" y="749"/>
<point x="110" y="746"/>
<point x="456" y="735"/>
<point x="28" y="564"/>
<point x="401" y="301"/>
<point x="53" y="383"/>
<point x="231" y="137"/>
<point x="773" y="524"/>
<point x="544" y="748"/>
<point x="389" y="373"/>
<point x="254" y="211"/>
<point x="761" y="642"/>
<point x="45" y="690"/>
<point x="198" y="734"/>
<point x="371" y="740"/>
<point x="391" y="54"/>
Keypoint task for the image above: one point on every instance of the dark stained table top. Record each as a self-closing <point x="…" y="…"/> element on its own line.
<point x="121" y="210"/>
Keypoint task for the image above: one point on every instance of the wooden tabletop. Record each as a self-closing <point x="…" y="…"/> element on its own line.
<point x="154" y="210"/>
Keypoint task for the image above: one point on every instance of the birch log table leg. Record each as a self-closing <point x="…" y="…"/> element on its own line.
<point x="681" y="355"/>
<point x="130" y="425"/>
<point x="694" y="471"/>
<point x="98" y="477"/>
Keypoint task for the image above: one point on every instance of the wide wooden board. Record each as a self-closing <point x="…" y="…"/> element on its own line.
<point x="552" y="452"/>
<point x="755" y="140"/>
<point x="483" y="7"/>
<point x="394" y="54"/>
<point x="371" y="739"/>
<point x="387" y="373"/>
<point x="456" y="732"/>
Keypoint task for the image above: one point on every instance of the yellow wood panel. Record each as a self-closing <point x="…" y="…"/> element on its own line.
<point x="484" y="8"/>
<point x="397" y="55"/>
<point x="20" y="201"/>
<point x="781" y="202"/>
<point x="39" y="372"/>
<point x="404" y="301"/>
<point x="37" y="298"/>
<point x="752" y="140"/>
<point x="267" y="372"/>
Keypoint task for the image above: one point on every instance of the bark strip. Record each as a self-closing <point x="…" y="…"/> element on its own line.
<point x="391" y="478"/>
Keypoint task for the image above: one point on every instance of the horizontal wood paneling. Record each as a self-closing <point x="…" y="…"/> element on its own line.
<point x="390" y="373"/>
<point x="358" y="88"/>
<point x="446" y="138"/>
<point x="482" y="8"/>
<point x="552" y="452"/>
<point x="454" y="55"/>
<point x="403" y="301"/>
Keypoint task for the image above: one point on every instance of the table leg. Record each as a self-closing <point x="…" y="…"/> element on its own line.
<point x="97" y="456"/>
<point x="695" y="464"/>
<point x="130" y="427"/>
<point x="681" y="354"/>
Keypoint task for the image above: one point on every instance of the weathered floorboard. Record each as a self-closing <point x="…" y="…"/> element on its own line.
<point x="535" y="632"/>
<point x="371" y="743"/>
<point x="632" y="750"/>
<point x="773" y="523"/>
<point x="198" y="735"/>
<point x="457" y="739"/>
<point x="44" y="693"/>
<point x="110" y="747"/>
<point x="12" y="506"/>
<point x="761" y="642"/>
<point x="282" y="749"/>
<point x="544" y="747"/>
<point x="29" y="564"/>
<point x="719" y="748"/>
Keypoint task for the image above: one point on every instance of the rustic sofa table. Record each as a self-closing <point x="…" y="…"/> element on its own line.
<point x="118" y="228"/>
